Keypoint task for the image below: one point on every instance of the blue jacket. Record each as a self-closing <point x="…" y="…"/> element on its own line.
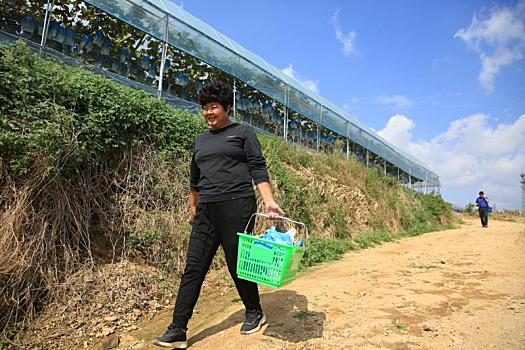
<point x="483" y="202"/>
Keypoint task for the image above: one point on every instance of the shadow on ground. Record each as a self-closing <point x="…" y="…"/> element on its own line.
<point x="288" y="319"/>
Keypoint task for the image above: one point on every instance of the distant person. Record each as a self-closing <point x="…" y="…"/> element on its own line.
<point x="226" y="161"/>
<point x="482" y="203"/>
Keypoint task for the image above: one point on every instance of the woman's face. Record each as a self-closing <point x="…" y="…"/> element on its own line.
<point x="215" y="115"/>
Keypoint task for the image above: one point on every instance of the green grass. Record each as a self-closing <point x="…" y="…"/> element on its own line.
<point x="9" y="333"/>
<point x="399" y="325"/>
<point x="504" y="219"/>
<point x="321" y="250"/>
<point x="426" y="267"/>
<point x="303" y="315"/>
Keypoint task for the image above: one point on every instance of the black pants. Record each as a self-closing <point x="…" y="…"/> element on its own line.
<point x="215" y="223"/>
<point x="484" y="216"/>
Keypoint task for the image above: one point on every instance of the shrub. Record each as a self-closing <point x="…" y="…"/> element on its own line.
<point x="70" y="117"/>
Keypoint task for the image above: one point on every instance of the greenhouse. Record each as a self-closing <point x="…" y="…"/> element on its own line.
<point x="157" y="46"/>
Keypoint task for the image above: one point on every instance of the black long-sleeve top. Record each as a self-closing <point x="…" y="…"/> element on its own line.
<point x="225" y="162"/>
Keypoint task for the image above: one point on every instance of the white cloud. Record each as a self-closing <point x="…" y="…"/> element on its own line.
<point x="398" y="130"/>
<point x="499" y="39"/>
<point x="474" y="135"/>
<point x="355" y="100"/>
<point x="470" y="155"/>
<point x="442" y="61"/>
<point x="394" y="101"/>
<point x="348" y="40"/>
<point x="312" y="85"/>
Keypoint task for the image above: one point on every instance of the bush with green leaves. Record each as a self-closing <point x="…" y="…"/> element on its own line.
<point x="69" y="116"/>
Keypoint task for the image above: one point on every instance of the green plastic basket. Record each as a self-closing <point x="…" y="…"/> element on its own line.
<point x="266" y="262"/>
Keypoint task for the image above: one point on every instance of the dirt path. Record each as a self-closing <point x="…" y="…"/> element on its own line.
<point x="455" y="289"/>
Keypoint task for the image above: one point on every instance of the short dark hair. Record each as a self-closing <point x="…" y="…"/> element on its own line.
<point x="216" y="91"/>
<point x="481" y="192"/>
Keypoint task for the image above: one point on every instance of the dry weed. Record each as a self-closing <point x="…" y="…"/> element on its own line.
<point x="51" y="225"/>
<point x="351" y="197"/>
<point x="93" y="303"/>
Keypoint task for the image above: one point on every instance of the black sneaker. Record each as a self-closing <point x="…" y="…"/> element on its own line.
<point x="172" y="338"/>
<point x="253" y="321"/>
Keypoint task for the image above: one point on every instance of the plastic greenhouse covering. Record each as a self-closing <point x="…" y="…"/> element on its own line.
<point x="171" y="24"/>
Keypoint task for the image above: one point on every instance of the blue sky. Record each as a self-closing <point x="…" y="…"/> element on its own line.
<point x="442" y="80"/>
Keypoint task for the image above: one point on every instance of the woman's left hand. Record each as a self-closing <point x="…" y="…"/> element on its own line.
<point x="273" y="209"/>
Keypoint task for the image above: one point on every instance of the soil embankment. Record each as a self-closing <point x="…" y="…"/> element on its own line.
<point x="456" y="289"/>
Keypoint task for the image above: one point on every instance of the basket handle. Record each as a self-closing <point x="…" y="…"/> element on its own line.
<point x="305" y="231"/>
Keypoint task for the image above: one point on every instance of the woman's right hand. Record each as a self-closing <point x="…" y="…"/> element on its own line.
<point x="193" y="199"/>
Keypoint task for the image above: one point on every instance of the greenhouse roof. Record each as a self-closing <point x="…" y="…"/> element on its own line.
<point x="168" y="22"/>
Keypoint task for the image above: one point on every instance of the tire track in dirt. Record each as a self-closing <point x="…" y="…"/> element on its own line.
<point x="454" y="289"/>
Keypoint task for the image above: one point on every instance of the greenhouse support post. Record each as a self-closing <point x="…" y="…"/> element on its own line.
<point x="234" y="98"/>
<point x="163" y="57"/>
<point x="47" y="19"/>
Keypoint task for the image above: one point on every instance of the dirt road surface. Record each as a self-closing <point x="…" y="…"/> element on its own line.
<point x="457" y="289"/>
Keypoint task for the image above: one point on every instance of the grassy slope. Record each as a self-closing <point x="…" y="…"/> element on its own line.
<point x="99" y="172"/>
<point x="346" y="205"/>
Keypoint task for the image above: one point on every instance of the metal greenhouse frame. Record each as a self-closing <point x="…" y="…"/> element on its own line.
<point x="172" y="26"/>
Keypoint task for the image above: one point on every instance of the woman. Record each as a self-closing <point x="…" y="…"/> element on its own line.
<point x="226" y="160"/>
